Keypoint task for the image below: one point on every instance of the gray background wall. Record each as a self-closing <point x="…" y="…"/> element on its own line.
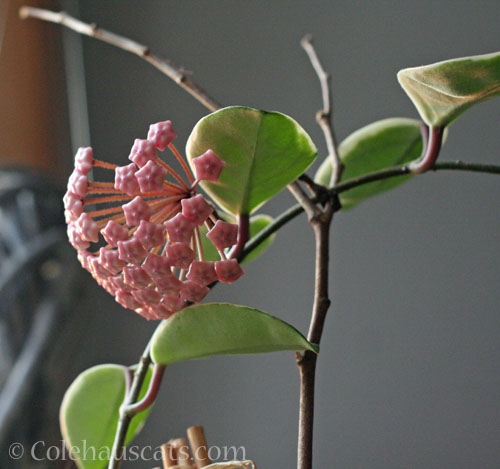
<point x="408" y="374"/>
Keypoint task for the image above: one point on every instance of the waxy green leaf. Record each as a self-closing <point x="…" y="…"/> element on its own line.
<point x="442" y="91"/>
<point x="210" y="329"/>
<point x="90" y="411"/>
<point x="377" y="146"/>
<point x="257" y="224"/>
<point x="263" y="151"/>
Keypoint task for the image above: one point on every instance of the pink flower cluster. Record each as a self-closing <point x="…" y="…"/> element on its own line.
<point x="150" y="251"/>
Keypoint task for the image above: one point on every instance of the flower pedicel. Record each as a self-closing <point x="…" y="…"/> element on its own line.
<point x="152" y="261"/>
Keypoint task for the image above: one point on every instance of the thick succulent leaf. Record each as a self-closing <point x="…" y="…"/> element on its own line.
<point x="263" y="151"/>
<point x="377" y="146"/>
<point x="90" y="411"/>
<point x="257" y="224"/>
<point x="442" y="91"/>
<point x="210" y="329"/>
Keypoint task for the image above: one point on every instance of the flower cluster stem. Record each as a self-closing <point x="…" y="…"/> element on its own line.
<point x="243" y="235"/>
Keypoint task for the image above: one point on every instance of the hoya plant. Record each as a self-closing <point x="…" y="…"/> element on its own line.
<point x="158" y="239"/>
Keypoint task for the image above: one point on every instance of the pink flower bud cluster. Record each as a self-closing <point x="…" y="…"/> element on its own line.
<point x="149" y="254"/>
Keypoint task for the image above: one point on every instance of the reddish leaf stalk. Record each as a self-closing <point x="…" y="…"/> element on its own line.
<point x="430" y="152"/>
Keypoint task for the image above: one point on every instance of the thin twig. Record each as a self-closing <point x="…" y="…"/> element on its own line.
<point x="324" y="116"/>
<point x="315" y="188"/>
<point x="311" y="209"/>
<point x="404" y="169"/>
<point x="165" y="66"/>
<point x="467" y="167"/>
<point x="294" y="211"/>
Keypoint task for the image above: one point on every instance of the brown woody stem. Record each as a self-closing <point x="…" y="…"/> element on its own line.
<point x="324" y="115"/>
<point x="165" y="66"/>
<point x="307" y="362"/>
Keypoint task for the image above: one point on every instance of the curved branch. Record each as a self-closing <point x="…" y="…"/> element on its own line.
<point x="405" y="169"/>
<point x="165" y="66"/>
<point x="294" y="211"/>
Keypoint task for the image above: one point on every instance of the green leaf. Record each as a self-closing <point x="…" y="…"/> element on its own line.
<point x="90" y="411"/>
<point x="264" y="151"/>
<point x="257" y="224"/>
<point x="442" y="91"/>
<point x="377" y="146"/>
<point x="210" y="329"/>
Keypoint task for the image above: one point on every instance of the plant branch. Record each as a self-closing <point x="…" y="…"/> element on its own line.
<point x="131" y="397"/>
<point x="320" y="220"/>
<point x="294" y="211"/>
<point x="405" y="169"/>
<point x="311" y="209"/>
<point x="165" y="66"/>
<point x="148" y="400"/>
<point x="316" y="189"/>
<point x="324" y="115"/>
<point x="307" y="362"/>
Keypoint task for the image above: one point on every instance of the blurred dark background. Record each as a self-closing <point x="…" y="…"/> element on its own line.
<point x="408" y="372"/>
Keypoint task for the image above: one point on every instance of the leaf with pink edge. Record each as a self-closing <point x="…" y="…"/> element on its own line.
<point x="444" y="90"/>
